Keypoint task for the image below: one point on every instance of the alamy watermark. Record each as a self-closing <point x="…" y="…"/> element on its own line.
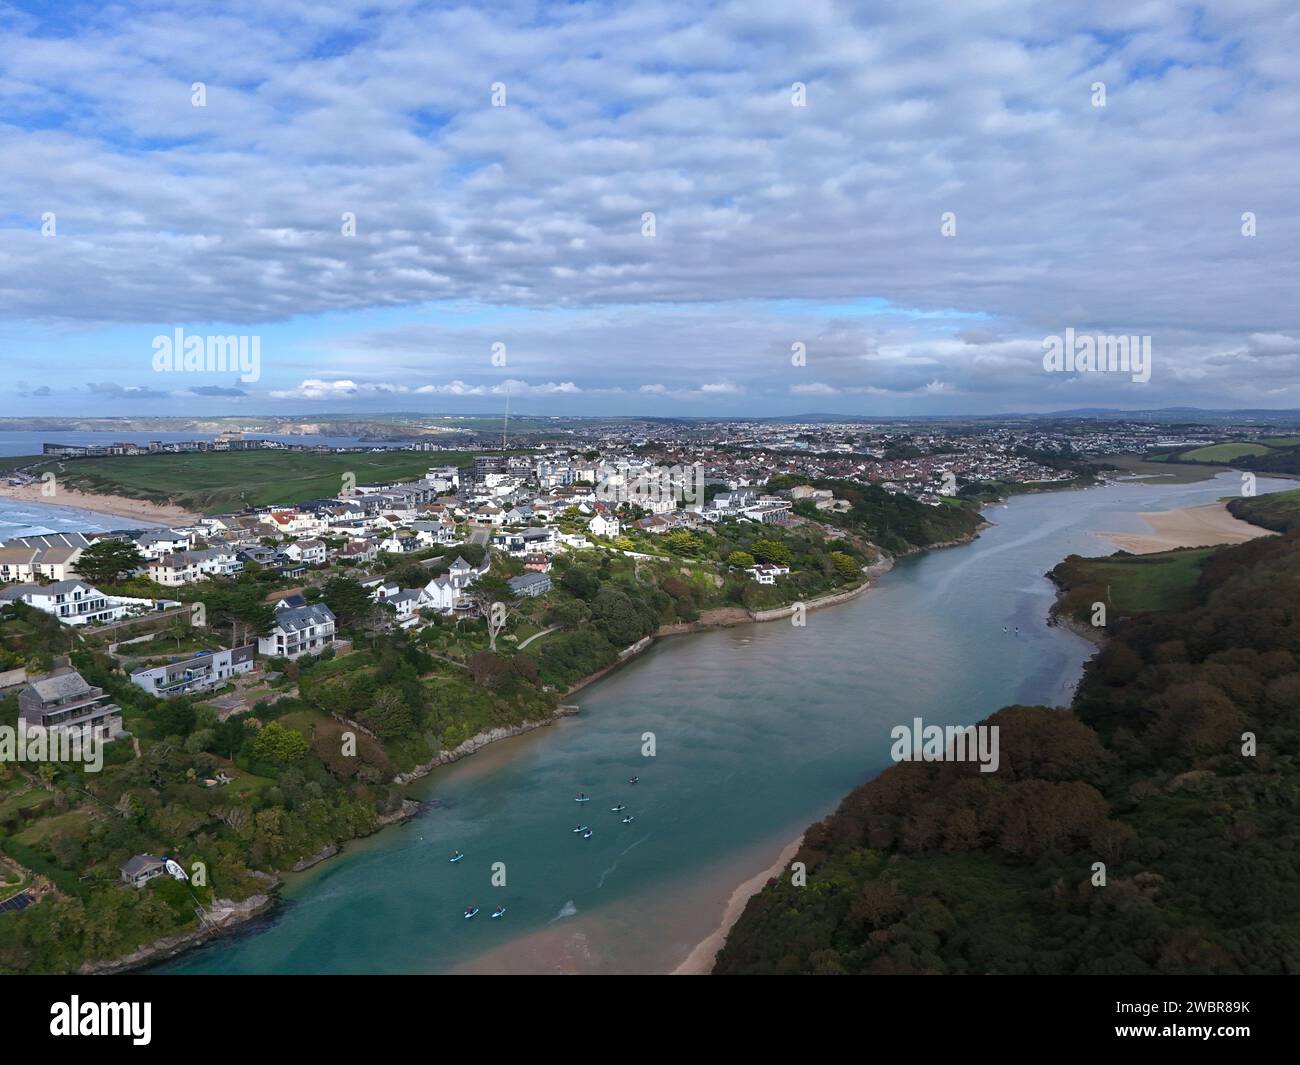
<point x="1098" y="354"/>
<point x="920" y="742"/>
<point x="34" y="743"/>
<point x="653" y="484"/>
<point x="179" y="353"/>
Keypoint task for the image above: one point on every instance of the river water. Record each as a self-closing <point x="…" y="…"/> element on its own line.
<point x="759" y="730"/>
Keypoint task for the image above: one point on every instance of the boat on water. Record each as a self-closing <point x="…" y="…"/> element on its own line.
<point x="618" y="809"/>
<point x="499" y="911"/>
<point x="581" y="828"/>
<point x="455" y="856"/>
<point x="587" y="834"/>
<point x="471" y="912"/>
<point x="628" y="819"/>
<point x="583" y="798"/>
<point x="634" y="780"/>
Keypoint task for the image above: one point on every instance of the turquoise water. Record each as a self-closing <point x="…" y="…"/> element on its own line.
<point x="759" y="729"/>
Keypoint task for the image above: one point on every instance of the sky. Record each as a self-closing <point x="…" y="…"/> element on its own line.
<point x="696" y="209"/>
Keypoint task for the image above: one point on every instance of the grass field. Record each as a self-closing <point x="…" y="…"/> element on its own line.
<point x="12" y="462"/>
<point x="1223" y="452"/>
<point x="1166" y="473"/>
<point x="1138" y="583"/>
<point x="1279" y="511"/>
<point x="1281" y="441"/>
<point x="213" y="482"/>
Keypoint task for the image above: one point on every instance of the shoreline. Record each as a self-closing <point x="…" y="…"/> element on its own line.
<point x="722" y="617"/>
<point x="700" y="961"/>
<point x="1203" y="525"/>
<point x="174" y="946"/>
<point x="109" y="506"/>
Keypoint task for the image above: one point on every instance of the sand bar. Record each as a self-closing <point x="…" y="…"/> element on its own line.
<point x="700" y="960"/>
<point x="1206" y="525"/>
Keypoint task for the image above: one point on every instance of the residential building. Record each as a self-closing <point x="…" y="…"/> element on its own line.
<point x="72" y="602"/>
<point x="207" y="669"/>
<point x="298" y="629"/>
<point x="63" y="701"/>
<point x="530" y="584"/>
<point x="186" y="567"/>
<point x="139" y="870"/>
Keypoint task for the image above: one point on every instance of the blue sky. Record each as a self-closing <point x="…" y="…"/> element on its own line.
<point x="126" y="211"/>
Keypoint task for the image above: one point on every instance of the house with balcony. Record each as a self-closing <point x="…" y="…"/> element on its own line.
<point x="308" y="552"/>
<point x="63" y="701"/>
<point x="72" y="602"/>
<point x="299" y="628"/>
<point x="198" y="672"/>
<point x="158" y="542"/>
<point x="186" y="567"/>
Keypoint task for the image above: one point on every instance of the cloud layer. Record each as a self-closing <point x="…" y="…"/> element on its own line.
<point x="773" y="224"/>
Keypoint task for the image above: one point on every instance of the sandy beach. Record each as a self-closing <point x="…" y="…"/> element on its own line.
<point x="113" y="506"/>
<point x="700" y="960"/>
<point x="1203" y="526"/>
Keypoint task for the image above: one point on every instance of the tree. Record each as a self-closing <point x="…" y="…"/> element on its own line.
<point x="240" y="608"/>
<point x="388" y="716"/>
<point x="109" y="561"/>
<point x="773" y="551"/>
<point x="349" y="602"/>
<point x="845" y="565"/>
<point x="581" y="581"/>
<point x="740" y="559"/>
<point x="280" y="745"/>
<point x="617" y="616"/>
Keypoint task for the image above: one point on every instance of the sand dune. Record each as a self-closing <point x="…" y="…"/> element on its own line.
<point x="1202" y="526"/>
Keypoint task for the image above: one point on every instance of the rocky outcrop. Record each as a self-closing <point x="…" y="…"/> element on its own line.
<point x="223" y="917"/>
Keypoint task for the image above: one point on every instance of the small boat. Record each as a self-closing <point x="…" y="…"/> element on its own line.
<point x="634" y="780"/>
<point x="587" y="834"/>
<point x="583" y="798"/>
<point x="455" y="856"/>
<point x="471" y="912"/>
<point x="628" y="819"/>
<point x="581" y="828"/>
<point x="499" y="911"/>
<point x="618" y="809"/>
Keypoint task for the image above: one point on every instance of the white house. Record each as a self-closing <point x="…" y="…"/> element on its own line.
<point x="767" y="574"/>
<point x="72" y="602"/>
<point x="308" y="552"/>
<point x="605" y="526"/>
<point x="440" y="594"/>
<point x="207" y="669"/>
<point x="158" y="542"/>
<point x="300" y="628"/>
<point x="185" y="567"/>
<point x="407" y="602"/>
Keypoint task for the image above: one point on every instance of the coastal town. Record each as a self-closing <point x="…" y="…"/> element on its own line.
<point x="507" y="576"/>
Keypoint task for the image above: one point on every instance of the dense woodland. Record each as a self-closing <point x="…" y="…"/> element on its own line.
<point x="937" y="868"/>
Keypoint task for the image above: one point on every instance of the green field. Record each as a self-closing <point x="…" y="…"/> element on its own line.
<point x="1279" y="511"/>
<point x="1281" y="441"/>
<point x="1136" y="584"/>
<point x="12" y="462"/>
<point x="213" y="482"/>
<point x="1130" y="584"/>
<point x="1157" y="468"/>
<point x="1223" y="452"/>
